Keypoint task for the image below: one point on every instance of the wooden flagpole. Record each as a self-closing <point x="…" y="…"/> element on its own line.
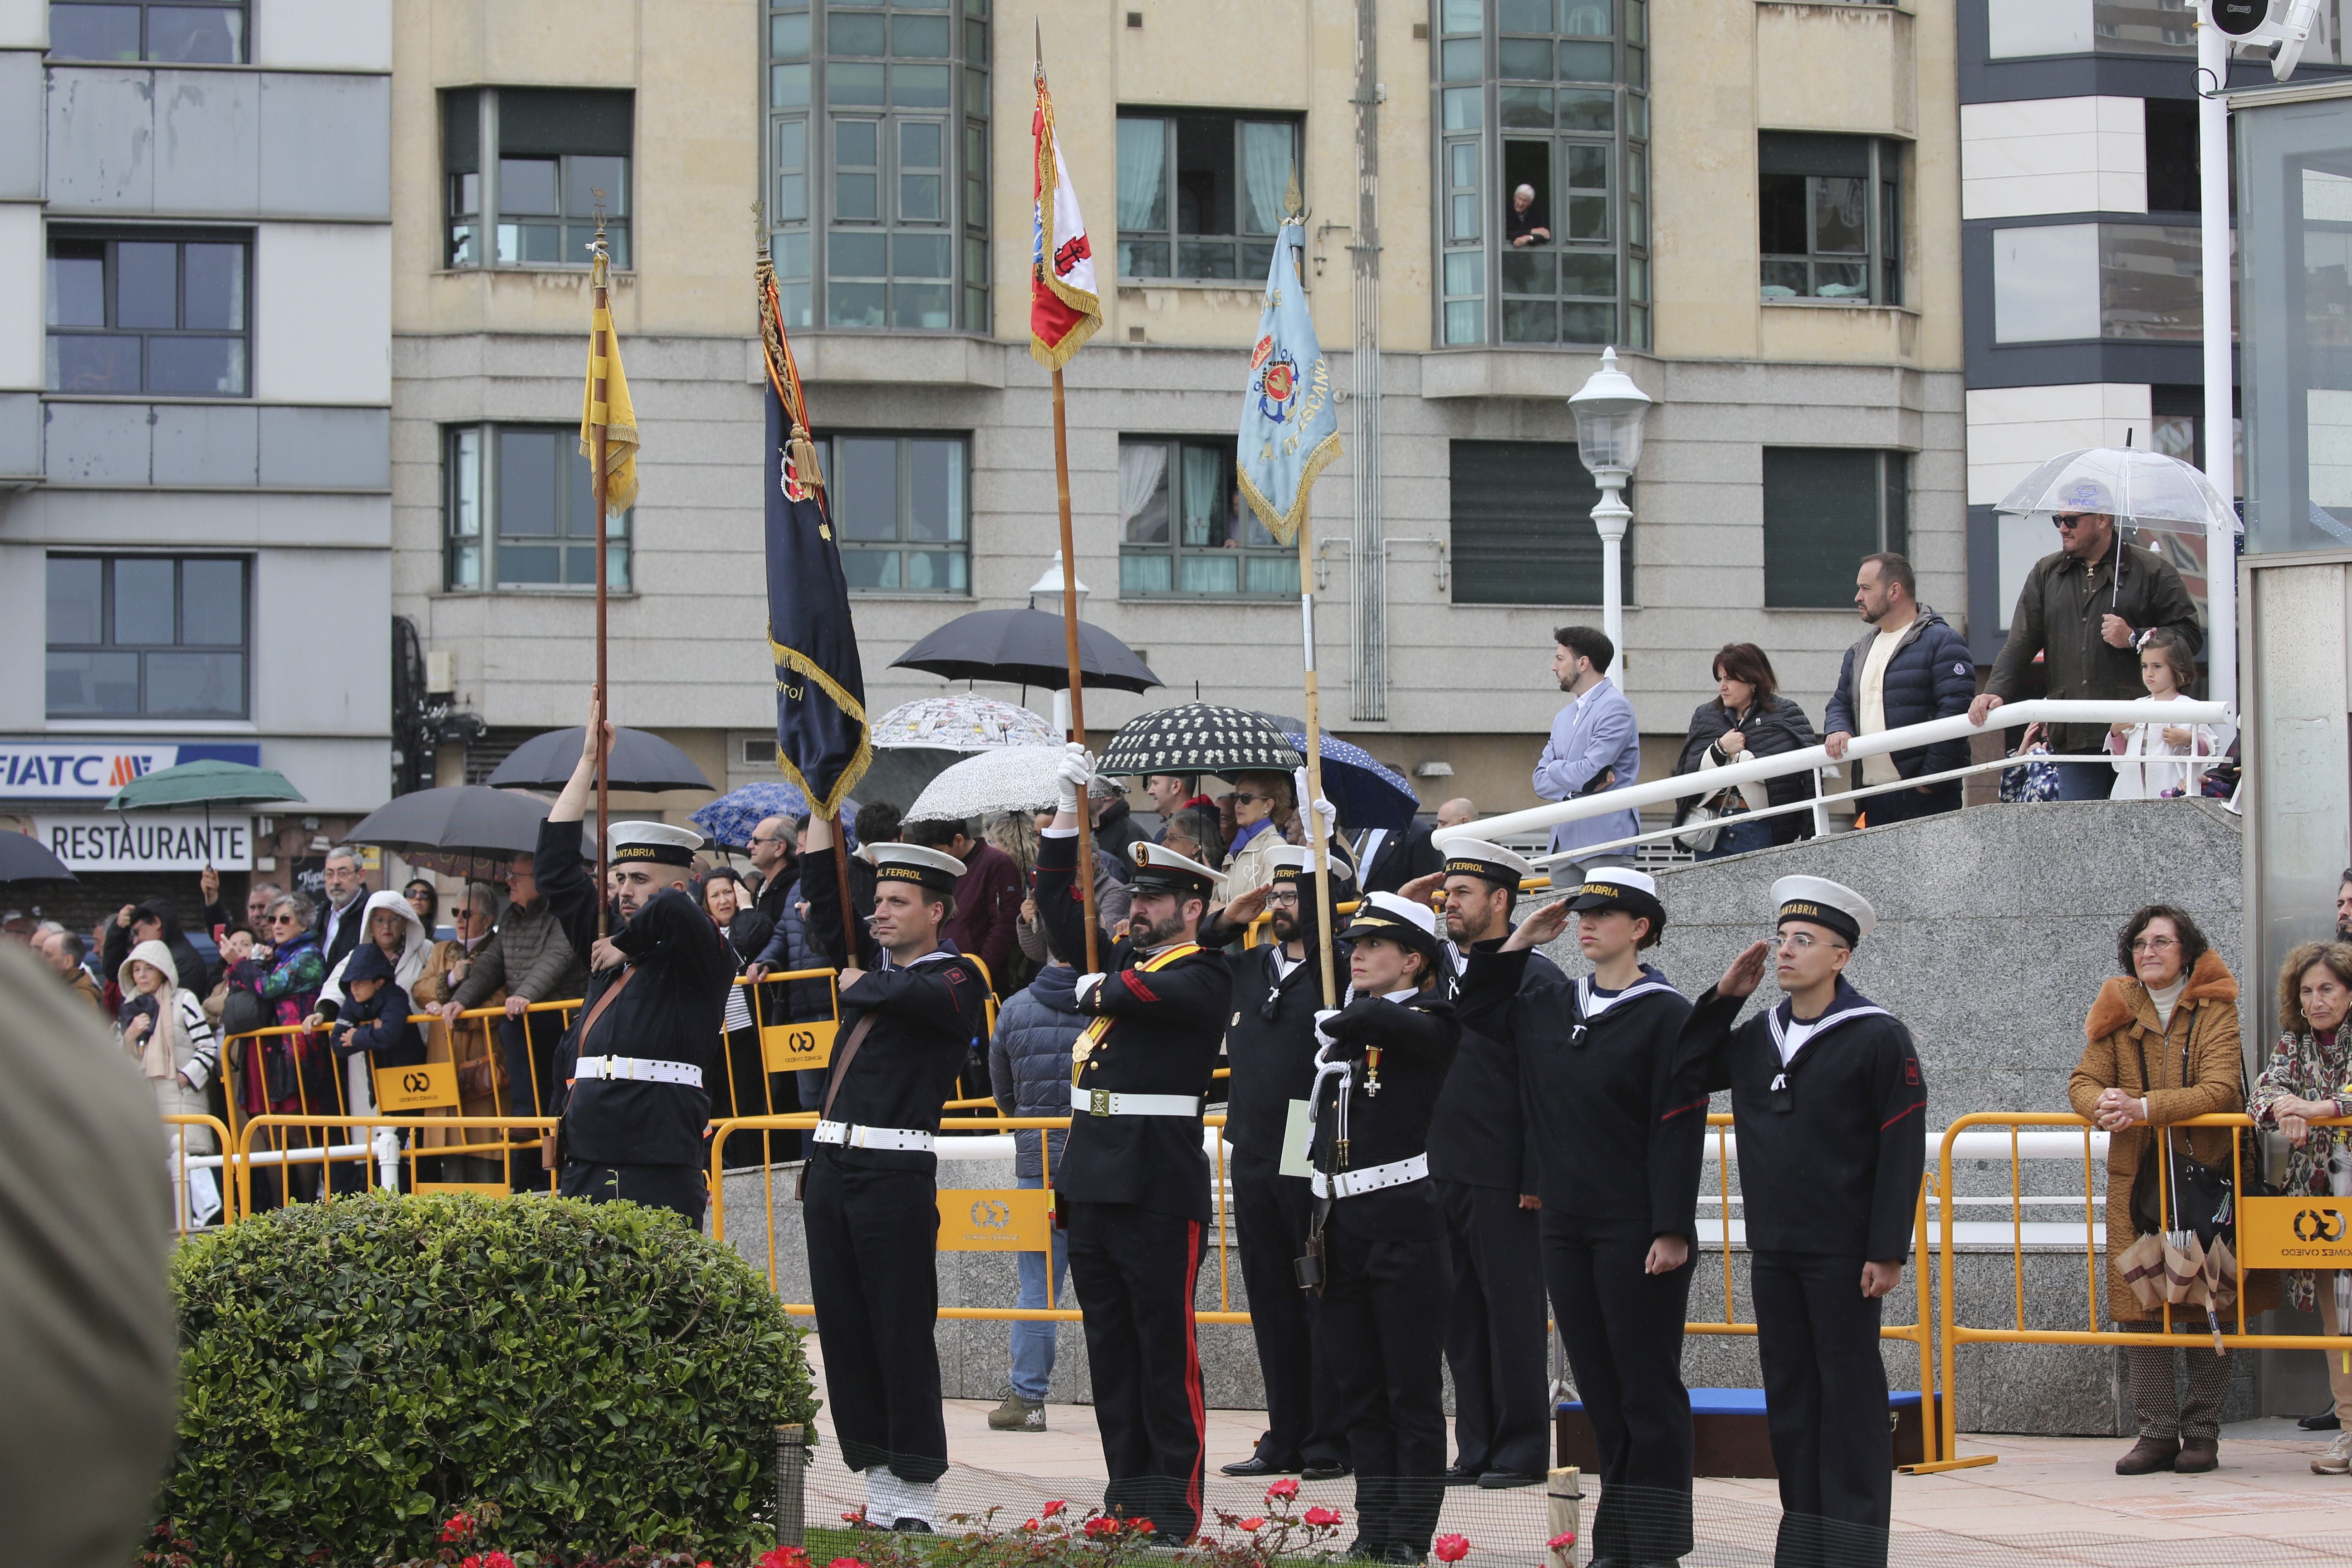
<point x="1086" y="871"/>
<point x="600" y="306"/>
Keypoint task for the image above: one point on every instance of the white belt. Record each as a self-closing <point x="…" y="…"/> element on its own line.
<point x="1371" y="1178"/>
<point x="638" y="1069"/>
<point x="1103" y="1102"/>
<point x="850" y="1135"/>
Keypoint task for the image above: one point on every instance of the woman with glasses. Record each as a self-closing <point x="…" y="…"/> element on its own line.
<point x="2162" y="1046"/>
<point x="425" y="900"/>
<point x="746" y="1092"/>
<point x="283" y="1074"/>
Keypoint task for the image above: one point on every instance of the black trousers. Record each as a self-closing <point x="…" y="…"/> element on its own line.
<point x="529" y="1044"/>
<point x="1494" y="1331"/>
<point x="683" y="1190"/>
<point x="1383" y="1300"/>
<point x="1825" y="1402"/>
<point x="1135" y="1273"/>
<point x="872" y="1252"/>
<point x="1272" y="1214"/>
<point x="1622" y="1330"/>
<point x="1909" y="805"/>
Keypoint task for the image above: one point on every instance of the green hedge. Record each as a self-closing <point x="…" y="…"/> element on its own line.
<point x="351" y="1371"/>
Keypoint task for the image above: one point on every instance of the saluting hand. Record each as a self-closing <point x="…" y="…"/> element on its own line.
<point x="1747" y="971"/>
<point x="1538" y="928"/>
<point x="1244" y="907"/>
<point x="1424" y="889"/>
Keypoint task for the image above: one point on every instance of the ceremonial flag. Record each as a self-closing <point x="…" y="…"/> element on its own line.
<point x="1289" y="428"/>
<point x="823" y="743"/>
<point x="606" y="399"/>
<point x="1064" y="308"/>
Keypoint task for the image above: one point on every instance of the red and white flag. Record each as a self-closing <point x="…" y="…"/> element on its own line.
<point x="1063" y="307"/>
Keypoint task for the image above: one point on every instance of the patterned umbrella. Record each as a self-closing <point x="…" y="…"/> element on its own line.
<point x="730" y="819"/>
<point x="1017" y="778"/>
<point x="963" y="723"/>
<point x="1199" y="738"/>
<point x="1367" y="792"/>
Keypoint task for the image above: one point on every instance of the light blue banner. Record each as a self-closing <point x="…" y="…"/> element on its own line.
<point x="1289" y="428"/>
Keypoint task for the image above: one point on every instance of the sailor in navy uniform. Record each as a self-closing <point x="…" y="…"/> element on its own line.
<point x="1831" y="1108"/>
<point x="1132" y="1187"/>
<point x="1618" y="1112"/>
<point x="1270" y="1043"/>
<point x="909" y="1003"/>
<point x="1379" y="1247"/>
<point x="654" y="1005"/>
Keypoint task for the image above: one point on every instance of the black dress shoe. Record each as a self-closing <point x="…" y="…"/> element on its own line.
<point x="1362" y="1550"/>
<point x="1254" y="1466"/>
<point x="1399" y="1552"/>
<point x="1463" y="1475"/>
<point x="1324" y="1470"/>
<point x="2326" y="1421"/>
<point x="912" y="1526"/>
<point x="1503" y="1481"/>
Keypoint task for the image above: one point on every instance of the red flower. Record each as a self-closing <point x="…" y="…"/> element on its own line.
<point x="459" y="1527"/>
<point x="1102" y="1524"/>
<point x="845" y="1562"/>
<point x="783" y="1557"/>
<point x="1139" y="1526"/>
<point x="1562" y="1542"/>
<point x="1283" y="1490"/>
<point x="855" y="1518"/>
<point x="500" y="1560"/>
<point x="1451" y="1548"/>
<point x="471" y="1562"/>
<point x="1322" y="1516"/>
<point x="1051" y="1508"/>
<point x="1252" y="1523"/>
<point x="1030" y="1524"/>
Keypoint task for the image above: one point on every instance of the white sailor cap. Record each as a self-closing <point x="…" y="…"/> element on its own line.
<point x="933" y="869"/>
<point x="1492" y="862"/>
<point x="1394" y="917"/>
<point x="1296" y="863"/>
<point x="1621" y="888"/>
<point x="656" y="841"/>
<point x="1823" y="902"/>
<point x="1156" y="865"/>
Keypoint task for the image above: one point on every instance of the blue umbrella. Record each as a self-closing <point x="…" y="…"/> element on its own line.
<point x="730" y="819"/>
<point x="1367" y="792"/>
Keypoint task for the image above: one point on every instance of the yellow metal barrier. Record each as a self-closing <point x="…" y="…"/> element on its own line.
<point x="2254" y="1213"/>
<point x="248" y="1157"/>
<point x="181" y="1211"/>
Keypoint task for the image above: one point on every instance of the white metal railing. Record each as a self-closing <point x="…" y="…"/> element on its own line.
<point x="1812" y="759"/>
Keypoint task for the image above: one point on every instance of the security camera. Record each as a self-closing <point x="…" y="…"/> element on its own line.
<point x="2285" y="24"/>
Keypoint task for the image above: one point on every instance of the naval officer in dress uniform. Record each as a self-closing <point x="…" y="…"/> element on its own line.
<point x="1482" y="1161"/>
<point x="1619" y="1113"/>
<point x="637" y="1064"/>
<point x="1831" y="1106"/>
<point x="909" y="1004"/>
<point x="1133" y="1183"/>
<point x="1380" y="1242"/>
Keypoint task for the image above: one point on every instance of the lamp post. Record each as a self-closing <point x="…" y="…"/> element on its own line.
<point x="1050" y="585"/>
<point x="1609" y="410"/>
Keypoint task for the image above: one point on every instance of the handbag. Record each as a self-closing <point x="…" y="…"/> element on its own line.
<point x="2029" y="782"/>
<point x="2200" y="1197"/>
<point x="1707" y="819"/>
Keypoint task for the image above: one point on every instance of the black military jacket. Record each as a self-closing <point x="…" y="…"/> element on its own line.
<point x="1478" y="1135"/>
<point x="1416" y="1041"/>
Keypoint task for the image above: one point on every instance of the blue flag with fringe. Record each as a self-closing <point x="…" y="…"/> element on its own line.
<point x="1289" y="428"/>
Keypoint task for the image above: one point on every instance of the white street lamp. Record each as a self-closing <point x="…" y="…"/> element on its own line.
<point x="1050" y="585"/>
<point x="1609" y="410"/>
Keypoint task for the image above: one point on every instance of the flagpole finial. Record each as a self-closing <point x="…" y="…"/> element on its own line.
<point x="1038" y="24"/>
<point x="1293" y="203"/>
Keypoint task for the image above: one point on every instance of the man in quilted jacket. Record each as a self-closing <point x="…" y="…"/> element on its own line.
<point x="1909" y="667"/>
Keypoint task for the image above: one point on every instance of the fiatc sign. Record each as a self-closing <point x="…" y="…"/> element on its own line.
<point x="65" y="770"/>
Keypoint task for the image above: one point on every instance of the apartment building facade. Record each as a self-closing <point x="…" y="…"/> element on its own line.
<point x="195" y="511"/>
<point x="1756" y="202"/>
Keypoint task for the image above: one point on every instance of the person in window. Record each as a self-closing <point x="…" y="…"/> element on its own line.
<point x="1524" y="225"/>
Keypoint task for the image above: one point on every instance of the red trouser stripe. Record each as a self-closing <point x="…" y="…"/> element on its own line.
<point x="1193" y="1370"/>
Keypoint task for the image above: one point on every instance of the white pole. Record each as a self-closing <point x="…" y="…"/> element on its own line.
<point x="1610" y="516"/>
<point x="2213" y="201"/>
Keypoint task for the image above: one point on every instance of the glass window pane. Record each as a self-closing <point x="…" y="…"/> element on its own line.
<point x="75" y="583"/>
<point x="1637" y="115"/>
<point x="146" y="284"/>
<point x="1588" y="166"/>
<point x="926" y="37"/>
<point x="1588" y="218"/>
<point x="1780" y="211"/>
<point x="1465" y="225"/>
<point x="1588" y="323"/>
<point x="1140" y="258"/>
<point x="1207" y="500"/>
<point x="936" y="489"/>
<point x="143" y="602"/>
<point x="1523" y="58"/>
<point x="1528" y="107"/>
<point x="856" y="253"/>
<point x="792" y="198"/>
<point x="857" y="142"/>
<point x="975" y="42"/>
<point x="216" y="287"/>
<point x="788" y="87"/>
<point x="1820" y="514"/>
<point x="527" y="470"/>
<point x="1637" y="67"/>
<point x="1531" y="322"/>
<point x="854" y="304"/>
<point x="2150" y="283"/>
<point x="196" y="683"/>
<point x="526" y="185"/>
<point x="1143" y="492"/>
<point x="856" y="195"/>
<point x="578" y="496"/>
<point x="1585" y="109"/>
<point x="792" y="143"/>
<point x="1528" y="272"/>
<point x="1840" y="279"/>
<point x="1269" y="164"/>
<point x="853" y="34"/>
<point x="204" y="35"/>
<point x="1587" y="62"/>
<point x="923" y="305"/>
<point x="1464" y="15"/>
<point x="93" y="364"/>
<point x="1272" y="574"/>
<point x="788" y="37"/>
<point x="919" y="254"/>
<point x="922" y="145"/>
<point x="1786" y="279"/>
<point x="1462" y="107"/>
<point x="585" y="175"/>
<point x="94" y="684"/>
<point x="466" y="483"/>
<point x="212" y="603"/>
<point x="1523" y="15"/>
<point x="1462" y="165"/>
<point x="2045" y="283"/>
<point x="1465" y="322"/>
<point x="1144" y="572"/>
<point x="1218" y="573"/>
<point x="1589" y="17"/>
<point x="865" y="486"/>
<point x="1593" y="276"/>
<point x="94" y="32"/>
<point x="1841" y="220"/>
<point x="918" y="198"/>
<point x="529" y="566"/>
<point x="1463" y="60"/>
<point x="77" y="283"/>
<point x="196" y="367"/>
<point x="870" y="568"/>
<point x="934" y="571"/>
<point x="1463" y="271"/>
<point x="919" y="87"/>
<point x="853" y="84"/>
<point x="1142" y="174"/>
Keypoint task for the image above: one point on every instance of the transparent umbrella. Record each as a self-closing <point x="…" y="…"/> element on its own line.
<point x="2138" y="489"/>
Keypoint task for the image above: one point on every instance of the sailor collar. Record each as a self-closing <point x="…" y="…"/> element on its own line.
<point x="1845" y="1005"/>
<point x="1590" y="1004"/>
<point x="945" y="950"/>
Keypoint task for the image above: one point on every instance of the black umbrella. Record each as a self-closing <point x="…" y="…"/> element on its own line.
<point x="640" y="761"/>
<point x="1199" y="738"/>
<point x="24" y="858"/>
<point x="440" y="827"/>
<point x="1026" y="647"/>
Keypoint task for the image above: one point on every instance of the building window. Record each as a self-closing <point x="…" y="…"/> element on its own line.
<point x="147" y="637"/>
<point x="878" y="163"/>
<point x="1200" y="197"/>
<point x="559" y="153"/>
<point x="2020" y="30"/>
<point x="178" y="33"/>
<point x="1542" y="172"/>
<point x="902" y="512"/>
<point x="1830" y="210"/>
<point x="1825" y="510"/>
<point x="522" y="511"/>
<point x="1184" y="529"/>
<point x="148" y="312"/>
<point x="2168" y="129"/>
<point x="2078" y="281"/>
<point x="1522" y="527"/>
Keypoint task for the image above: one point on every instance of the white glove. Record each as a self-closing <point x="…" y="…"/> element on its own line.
<point x="1088" y="985"/>
<point x="1323" y="1016"/>
<point x="1326" y="816"/>
<point x="1073" y="775"/>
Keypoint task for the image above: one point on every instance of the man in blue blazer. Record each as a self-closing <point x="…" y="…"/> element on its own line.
<point x="1594" y="745"/>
